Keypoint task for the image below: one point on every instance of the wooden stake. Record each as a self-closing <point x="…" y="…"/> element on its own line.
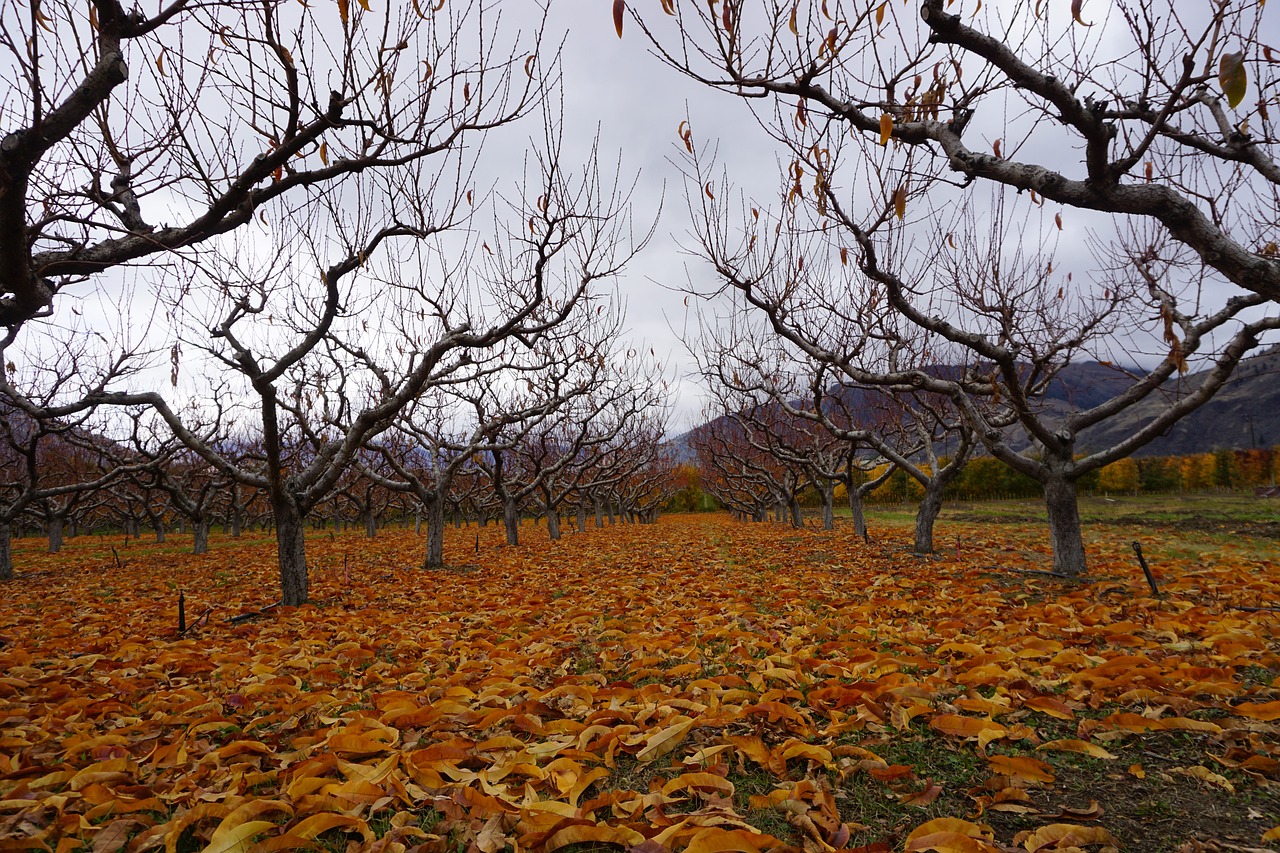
<point x="1151" y="581"/>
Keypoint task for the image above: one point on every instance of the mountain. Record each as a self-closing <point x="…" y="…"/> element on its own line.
<point x="1244" y="414"/>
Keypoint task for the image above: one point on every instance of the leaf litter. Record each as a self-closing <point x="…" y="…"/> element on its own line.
<point x="697" y="685"/>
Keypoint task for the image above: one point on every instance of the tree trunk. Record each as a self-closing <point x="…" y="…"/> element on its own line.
<point x="827" y="492"/>
<point x="6" y="553"/>
<point x="158" y="526"/>
<point x="417" y="522"/>
<point x="236" y="523"/>
<point x="511" y="520"/>
<point x="582" y="517"/>
<point x="435" y="535"/>
<point x="370" y="523"/>
<point x="856" y="512"/>
<point x="926" y="515"/>
<point x="599" y="513"/>
<point x="553" y="524"/>
<point x="55" y="534"/>
<point x="290" y="542"/>
<point x="796" y="519"/>
<point x="201" y="545"/>
<point x="1064" y="526"/>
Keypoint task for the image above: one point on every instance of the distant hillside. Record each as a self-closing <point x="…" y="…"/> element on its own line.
<point x="1244" y="414"/>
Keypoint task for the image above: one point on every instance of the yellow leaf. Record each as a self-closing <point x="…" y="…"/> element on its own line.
<point x="1061" y="836"/>
<point x="717" y="840"/>
<point x="619" y="10"/>
<point x="599" y="834"/>
<point x="1232" y="77"/>
<point x="1265" y="711"/>
<point x="238" y="837"/>
<point x="1204" y="774"/>
<point x="949" y="835"/>
<point x="308" y="829"/>
<point x="491" y="838"/>
<point x="659" y="744"/>
<point x="1188" y="724"/>
<point x="886" y="128"/>
<point x="1082" y="747"/>
<point x="1048" y="705"/>
<point x="1020" y="768"/>
<point x="900" y="202"/>
<point x="699" y="781"/>
<point x="344" y="10"/>
<point x="355" y="744"/>
<point x="958" y="726"/>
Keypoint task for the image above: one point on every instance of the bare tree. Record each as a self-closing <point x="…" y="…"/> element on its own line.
<point x="49" y="469"/>
<point x="458" y="426"/>
<point x="324" y="385"/>
<point x="808" y="414"/>
<point x="234" y="109"/>
<point x="879" y="109"/>
<point x="186" y="484"/>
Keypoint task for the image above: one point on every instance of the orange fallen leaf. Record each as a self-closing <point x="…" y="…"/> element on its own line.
<point x="1021" y="768"/>
<point x="1064" y="836"/>
<point x="1083" y="747"/>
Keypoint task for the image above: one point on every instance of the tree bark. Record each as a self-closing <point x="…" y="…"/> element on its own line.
<point x="291" y="544"/>
<point x="201" y="545"/>
<point x="827" y="492"/>
<point x="1065" y="537"/>
<point x="793" y="505"/>
<point x="435" y="535"/>
<point x="553" y="525"/>
<point x="6" y="552"/>
<point x="370" y="522"/>
<point x="55" y="534"/>
<point x="856" y="512"/>
<point x="927" y="514"/>
<point x="511" y="520"/>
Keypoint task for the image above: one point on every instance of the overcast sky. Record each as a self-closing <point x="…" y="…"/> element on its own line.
<point x="616" y="88"/>
<point x="637" y="103"/>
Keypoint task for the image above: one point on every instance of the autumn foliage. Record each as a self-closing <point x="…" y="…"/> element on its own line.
<point x="697" y="685"/>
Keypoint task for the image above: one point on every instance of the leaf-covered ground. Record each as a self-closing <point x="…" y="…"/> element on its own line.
<point x="696" y="685"/>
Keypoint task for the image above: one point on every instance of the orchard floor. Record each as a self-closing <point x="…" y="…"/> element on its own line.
<point x="697" y="685"/>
